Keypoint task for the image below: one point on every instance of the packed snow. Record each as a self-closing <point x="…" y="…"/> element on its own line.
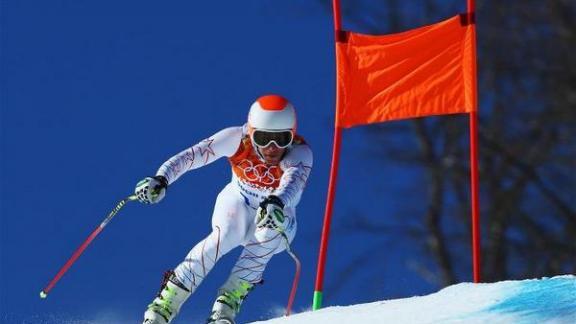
<point x="547" y="300"/>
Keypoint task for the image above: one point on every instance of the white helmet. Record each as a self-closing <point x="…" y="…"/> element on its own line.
<point x="272" y="113"/>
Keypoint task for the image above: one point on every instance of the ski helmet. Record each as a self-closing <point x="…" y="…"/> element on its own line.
<point x="272" y="118"/>
<point x="272" y="113"/>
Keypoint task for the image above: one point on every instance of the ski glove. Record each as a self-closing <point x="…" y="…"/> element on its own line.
<point x="151" y="190"/>
<point x="270" y="214"/>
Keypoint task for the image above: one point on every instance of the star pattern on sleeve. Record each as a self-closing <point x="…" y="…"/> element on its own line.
<point x="206" y="150"/>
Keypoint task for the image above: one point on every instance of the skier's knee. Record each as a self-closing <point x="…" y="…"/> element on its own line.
<point x="269" y="239"/>
<point x="266" y="235"/>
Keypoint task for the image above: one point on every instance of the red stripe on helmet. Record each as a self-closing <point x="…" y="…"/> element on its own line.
<point x="272" y="102"/>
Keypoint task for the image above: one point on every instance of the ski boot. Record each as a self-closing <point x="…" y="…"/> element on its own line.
<point x="228" y="302"/>
<point x="168" y="301"/>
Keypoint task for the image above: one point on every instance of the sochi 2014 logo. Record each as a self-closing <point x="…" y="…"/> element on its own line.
<point x="261" y="173"/>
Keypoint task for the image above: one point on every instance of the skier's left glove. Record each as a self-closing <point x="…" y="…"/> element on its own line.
<point x="151" y="190"/>
<point x="270" y="214"/>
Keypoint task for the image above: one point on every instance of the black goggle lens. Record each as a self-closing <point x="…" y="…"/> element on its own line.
<point x="282" y="139"/>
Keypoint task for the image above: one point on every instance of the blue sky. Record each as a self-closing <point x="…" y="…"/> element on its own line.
<point x="96" y="95"/>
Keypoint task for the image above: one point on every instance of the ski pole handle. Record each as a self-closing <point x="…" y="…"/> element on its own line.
<point x="78" y="252"/>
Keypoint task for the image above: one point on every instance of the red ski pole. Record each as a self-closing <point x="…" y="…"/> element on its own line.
<point x="296" y="275"/>
<point x="78" y="252"/>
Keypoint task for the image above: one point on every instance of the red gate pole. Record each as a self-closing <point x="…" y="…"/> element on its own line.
<point x="317" y="302"/>
<point x="474" y="182"/>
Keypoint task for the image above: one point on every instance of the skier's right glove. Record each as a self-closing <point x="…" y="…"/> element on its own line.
<point x="151" y="190"/>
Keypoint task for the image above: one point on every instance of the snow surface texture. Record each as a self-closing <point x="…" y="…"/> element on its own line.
<point x="547" y="300"/>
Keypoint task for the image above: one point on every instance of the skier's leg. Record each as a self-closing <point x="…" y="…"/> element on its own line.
<point x="250" y="266"/>
<point x="229" y="228"/>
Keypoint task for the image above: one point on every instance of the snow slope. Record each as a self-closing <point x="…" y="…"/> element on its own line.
<point x="547" y="300"/>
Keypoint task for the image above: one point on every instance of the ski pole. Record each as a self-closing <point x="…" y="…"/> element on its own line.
<point x="296" y="275"/>
<point x="78" y="252"/>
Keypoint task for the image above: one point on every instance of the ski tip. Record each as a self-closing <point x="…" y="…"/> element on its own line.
<point x="43" y="295"/>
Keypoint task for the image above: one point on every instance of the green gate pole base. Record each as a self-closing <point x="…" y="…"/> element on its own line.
<point x="317" y="303"/>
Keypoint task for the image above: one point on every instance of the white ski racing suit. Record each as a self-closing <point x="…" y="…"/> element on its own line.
<point x="233" y="219"/>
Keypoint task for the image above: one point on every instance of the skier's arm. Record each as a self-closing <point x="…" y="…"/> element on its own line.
<point x="223" y="143"/>
<point x="297" y="166"/>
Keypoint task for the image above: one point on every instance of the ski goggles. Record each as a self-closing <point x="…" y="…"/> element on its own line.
<point x="282" y="139"/>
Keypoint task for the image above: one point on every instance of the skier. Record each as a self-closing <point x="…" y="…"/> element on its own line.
<point x="257" y="209"/>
